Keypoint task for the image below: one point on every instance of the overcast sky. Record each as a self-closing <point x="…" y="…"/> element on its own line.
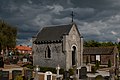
<point x="96" y="19"/>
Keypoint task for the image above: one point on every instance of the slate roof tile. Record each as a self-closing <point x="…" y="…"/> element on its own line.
<point x="98" y="50"/>
<point x="53" y="33"/>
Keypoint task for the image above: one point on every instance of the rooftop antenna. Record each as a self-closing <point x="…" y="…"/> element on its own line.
<point x="72" y="15"/>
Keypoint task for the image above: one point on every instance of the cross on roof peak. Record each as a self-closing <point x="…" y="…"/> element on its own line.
<point x="72" y="15"/>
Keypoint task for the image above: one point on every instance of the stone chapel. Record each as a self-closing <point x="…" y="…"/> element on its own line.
<point x="58" y="45"/>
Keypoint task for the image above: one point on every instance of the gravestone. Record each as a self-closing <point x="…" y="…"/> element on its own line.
<point x="83" y="73"/>
<point x="16" y="73"/>
<point x="28" y="74"/>
<point x="66" y="75"/>
<point x="0" y="74"/>
<point x="25" y="60"/>
<point x="5" y="75"/>
<point x="1" y="62"/>
<point x="111" y="73"/>
<point x="48" y="75"/>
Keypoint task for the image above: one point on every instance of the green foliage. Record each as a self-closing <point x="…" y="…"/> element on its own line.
<point x="44" y="69"/>
<point x="71" y="71"/>
<point x="87" y="61"/>
<point x="116" y="77"/>
<point x="97" y="64"/>
<point x="8" y="36"/>
<point x="19" y="78"/>
<point x="107" y="43"/>
<point x="93" y="69"/>
<point x="109" y="63"/>
<point x="61" y="71"/>
<point x="118" y="46"/>
<point x="30" y="66"/>
<point x="99" y="77"/>
<point x="53" y="70"/>
<point x="93" y="43"/>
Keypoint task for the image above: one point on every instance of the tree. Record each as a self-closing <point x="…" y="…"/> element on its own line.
<point x="93" y="69"/>
<point x="87" y="61"/>
<point x="8" y="36"/>
<point x="109" y="63"/>
<point x="97" y="64"/>
<point x="107" y="43"/>
<point x="91" y="43"/>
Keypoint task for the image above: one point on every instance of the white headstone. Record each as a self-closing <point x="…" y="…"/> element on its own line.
<point x="48" y="75"/>
<point x="24" y="59"/>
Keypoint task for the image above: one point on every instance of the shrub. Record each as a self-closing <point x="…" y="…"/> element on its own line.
<point x="87" y="61"/>
<point x="19" y="78"/>
<point x="71" y="71"/>
<point x="109" y="63"/>
<point x="30" y="66"/>
<point x="93" y="69"/>
<point x="53" y="70"/>
<point x="97" y="64"/>
<point x="99" y="77"/>
<point x="44" y="69"/>
<point x="61" y="71"/>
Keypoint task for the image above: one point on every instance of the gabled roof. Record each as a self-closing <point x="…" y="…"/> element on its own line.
<point x="23" y="48"/>
<point x="53" y="33"/>
<point x="98" y="50"/>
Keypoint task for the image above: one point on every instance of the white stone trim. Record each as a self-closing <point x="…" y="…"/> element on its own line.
<point x="46" y="74"/>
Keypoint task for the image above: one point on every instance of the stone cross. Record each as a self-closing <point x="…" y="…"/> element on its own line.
<point x="72" y="14"/>
<point x="58" y="68"/>
<point x="36" y="72"/>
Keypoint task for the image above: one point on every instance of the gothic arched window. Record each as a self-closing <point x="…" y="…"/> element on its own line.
<point x="74" y="55"/>
<point x="48" y="52"/>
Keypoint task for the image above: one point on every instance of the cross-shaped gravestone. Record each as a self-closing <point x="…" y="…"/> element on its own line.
<point x="58" y="68"/>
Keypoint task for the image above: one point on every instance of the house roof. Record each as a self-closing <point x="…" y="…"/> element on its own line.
<point x="98" y="50"/>
<point x="53" y="33"/>
<point x="23" y="48"/>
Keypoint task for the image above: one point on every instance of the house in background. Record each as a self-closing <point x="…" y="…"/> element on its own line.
<point x="102" y="54"/>
<point x="24" y="49"/>
<point x="58" y="45"/>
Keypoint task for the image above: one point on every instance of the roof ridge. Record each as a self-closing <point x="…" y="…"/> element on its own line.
<point x="56" y="25"/>
<point x="55" y="32"/>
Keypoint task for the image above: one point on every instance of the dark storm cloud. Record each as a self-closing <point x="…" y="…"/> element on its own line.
<point x="95" y="18"/>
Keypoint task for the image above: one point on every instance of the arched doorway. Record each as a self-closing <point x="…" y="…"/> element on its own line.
<point x="73" y="55"/>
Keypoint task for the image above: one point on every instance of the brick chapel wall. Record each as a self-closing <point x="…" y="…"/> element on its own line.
<point x="57" y="56"/>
